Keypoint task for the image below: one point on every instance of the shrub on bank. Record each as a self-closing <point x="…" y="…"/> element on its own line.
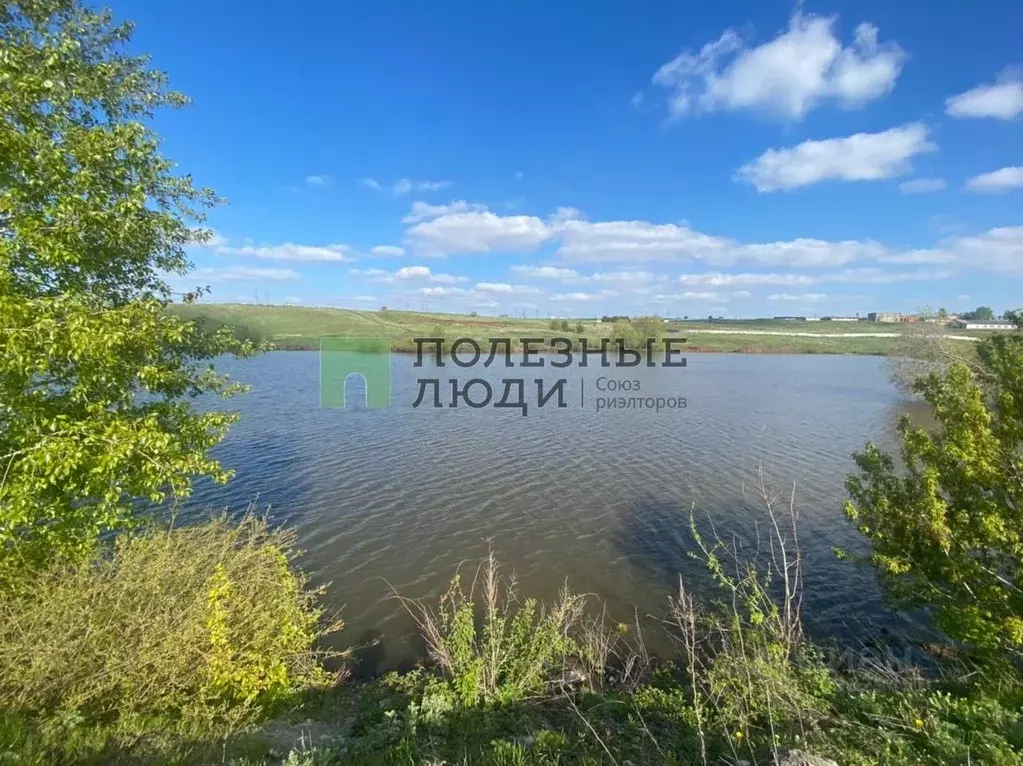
<point x="198" y="629"/>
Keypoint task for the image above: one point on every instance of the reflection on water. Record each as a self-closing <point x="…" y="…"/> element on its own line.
<point x="399" y="497"/>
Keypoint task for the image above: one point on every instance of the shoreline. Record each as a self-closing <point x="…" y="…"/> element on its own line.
<point x="685" y="349"/>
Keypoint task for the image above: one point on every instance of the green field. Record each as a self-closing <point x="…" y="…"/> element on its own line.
<point x="293" y="327"/>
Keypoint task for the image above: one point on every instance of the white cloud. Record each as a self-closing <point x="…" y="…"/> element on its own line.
<point x="632" y="240"/>
<point x="859" y="157"/>
<point x="545" y="272"/>
<point x="816" y="253"/>
<point x="866" y="275"/>
<point x="999" y="180"/>
<point x="317" y="180"/>
<point x="787" y="76"/>
<point x="423" y="211"/>
<point x="246" y="274"/>
<point x="712" y="296"/>
<point x="407" y="273"/>
<point x="719" y="279"/>
<point x="504" y="288"/>
<point x="412" y="272"/>
<point x="404" y="186"/>
<point x="922" y="185"/>
<point x="372" y="183"/>
<point x="291" y="252"/>
<point x="717" y="297"/>
<point x="579" y="296"/>
<point x="494" y="287"/>
<point x="369" y="272"/>
<point x="1004" y="100"/>
<point x="637" y="99"/>
<point x="923" y="255"/>
<point x="565" y="214"/>
<point x="387" y="251"/>
<point x="429" y="186"/>
<point x="999" y="250"/>
<point x="876" y="276"/>
<point x="441" y="291"/>
<point x="800" y="297"/>
<point x="701" y="296"/>
<point x="293" y="300"/>
<point x="623" y="276"/>
<point x="635" y="242"/>
<point x="477" y="232"/>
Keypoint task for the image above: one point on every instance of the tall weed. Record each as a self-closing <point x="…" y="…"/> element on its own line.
<point x="494" y="647"/>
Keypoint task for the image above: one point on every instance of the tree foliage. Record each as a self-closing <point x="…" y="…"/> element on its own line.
<point x="95" y="377"/>
<point x="981" y="313"/>
<point x="947" y="529"/>
<point x="636" y="332"/>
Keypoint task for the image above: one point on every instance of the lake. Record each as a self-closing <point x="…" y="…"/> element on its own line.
<point x="398" y="497"/>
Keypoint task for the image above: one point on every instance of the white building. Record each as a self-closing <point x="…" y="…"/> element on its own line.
<point x="987" y="325"/>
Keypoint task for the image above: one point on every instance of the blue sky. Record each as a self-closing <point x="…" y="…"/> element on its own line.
<point x="583" y="158"/>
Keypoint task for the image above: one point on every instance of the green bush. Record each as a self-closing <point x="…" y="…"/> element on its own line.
<point x="199" y="629"/>
<point x="636" y="332"/>
<point x="946" y="530"/>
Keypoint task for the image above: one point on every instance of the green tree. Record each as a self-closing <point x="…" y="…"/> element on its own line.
<point x="947" y="530"/>
<point x="636" y="332"/>
<point x="96" y="378"/>
<point x="981" y="313"/>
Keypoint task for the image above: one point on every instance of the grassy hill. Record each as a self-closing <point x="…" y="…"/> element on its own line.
<point x="295" y="327"/>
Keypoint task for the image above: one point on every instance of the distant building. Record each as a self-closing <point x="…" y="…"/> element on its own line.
<point x="985" y="325"/>
<point x="790" y="319"/>
<point x="841" y="319"/>
<point x="890" y="316"/>
<point x="812" y="319"/>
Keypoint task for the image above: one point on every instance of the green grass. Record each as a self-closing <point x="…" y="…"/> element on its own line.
<point x="293" y="327"/>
